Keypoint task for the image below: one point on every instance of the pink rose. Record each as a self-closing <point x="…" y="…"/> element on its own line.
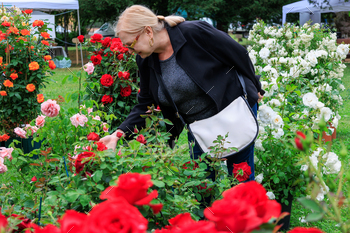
<point x="75" y="148"/>
<point x="3" y="168"/>
<point x="6" y="152"/>
<point x="89" y="67"/>
<point x="105" y="128"/>
<point x="78" y="119"/>
<point x="40" y="121"/>
<point x="50" y="108"/>
<point x="20" y="132"/>
<point x="90" y="110"/>
<point x="30" y="128"/>
<point x="98" y="118"/>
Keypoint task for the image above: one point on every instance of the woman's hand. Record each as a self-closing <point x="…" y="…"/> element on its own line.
<point x="111" y="140"/>
<point x="260" y="97"/>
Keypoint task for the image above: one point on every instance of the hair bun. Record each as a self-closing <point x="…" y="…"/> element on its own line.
<point x="160" y="17"/>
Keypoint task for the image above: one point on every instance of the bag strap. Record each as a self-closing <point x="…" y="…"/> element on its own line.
<point x="241" y="80"/>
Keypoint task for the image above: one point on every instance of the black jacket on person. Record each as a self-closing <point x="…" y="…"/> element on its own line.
<point x="208" y="56"/>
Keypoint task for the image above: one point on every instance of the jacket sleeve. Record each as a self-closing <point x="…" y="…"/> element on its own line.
<point x="227" y="50"/>
<point x="144" y="99"/>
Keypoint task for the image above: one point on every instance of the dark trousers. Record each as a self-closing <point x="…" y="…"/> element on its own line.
<point x="246" y="155"/>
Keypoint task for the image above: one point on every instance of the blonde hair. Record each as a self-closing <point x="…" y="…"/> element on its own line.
<point x="135" y="18"/>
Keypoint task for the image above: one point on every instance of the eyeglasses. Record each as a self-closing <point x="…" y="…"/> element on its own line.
<point x="131" y="47"/>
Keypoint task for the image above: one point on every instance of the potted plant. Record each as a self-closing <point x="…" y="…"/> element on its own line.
<point x="24" y="65"/>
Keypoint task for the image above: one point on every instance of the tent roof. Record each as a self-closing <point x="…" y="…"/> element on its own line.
<point x="42" y="4"/>
<point x="305" y="7"/>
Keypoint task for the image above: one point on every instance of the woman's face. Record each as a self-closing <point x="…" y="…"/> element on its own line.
<point x="138" y="43"/>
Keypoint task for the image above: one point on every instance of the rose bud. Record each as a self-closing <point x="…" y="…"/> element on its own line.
<point x="119" y="134"/>
<point x="34" y="179"/>
<point x="93" y="137"/>
<point x="298" y="140"/>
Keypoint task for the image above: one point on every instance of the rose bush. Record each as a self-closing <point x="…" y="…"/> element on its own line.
<point x="112" y="77"/>
<point x="301" y="70"/>
<point x="24" y="67"/>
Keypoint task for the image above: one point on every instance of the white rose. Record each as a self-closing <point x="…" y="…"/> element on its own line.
<point x="278" y="133"/>
<point x="335" y="122"/>
<point x="283" y="60"/>
<point x="343" y="50"/>
<point x="312" y="59"/>
<point x="258" y="145"/>
<point x="274" y="102"/>
<point x="314" y="161"/>
<point x="277" y="121"/>
<point x="317" y="152"/>
<point x="270" y="195"/>
<point x="304" y="167"/>
<point x="310" y="100"/>
<point x="259" y="178"/>
<point x="264" y="53"/>
<point x="341" y="86"/>
<point x="326" y="113"/>
<point x="319" y="105"/>
<point x="321" y="194"/>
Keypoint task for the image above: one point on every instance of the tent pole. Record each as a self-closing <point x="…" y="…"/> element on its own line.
<point x="81" y="54"/>
<point x="81" y="49"/>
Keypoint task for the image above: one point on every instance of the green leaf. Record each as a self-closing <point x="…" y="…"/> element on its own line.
<point x="71" y="196"/>
<point x="134" y="145"/>
<point x="21" y="158"/>
<point x="168" y="122"/>
<point x="158" y="183"/>
<point x="51" y="200"/>
<point x="175" y="169"/>
<point x="312" y="217"/>
<point x="100" y="187"/>
<point x="276" y="180"/>
<point x="84" y="200"/>
<point x="310" y="204"/>
<point x="28" y="203"/>
<point x="98" y="175"/>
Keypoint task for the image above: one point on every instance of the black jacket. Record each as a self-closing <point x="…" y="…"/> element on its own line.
<point x="206" y="55"/>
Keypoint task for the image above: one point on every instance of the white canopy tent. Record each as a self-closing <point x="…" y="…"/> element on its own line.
<point x="309" y="11"/>
<point x="46" y="5"/>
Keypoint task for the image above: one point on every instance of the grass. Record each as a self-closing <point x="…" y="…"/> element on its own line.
<point x="55" y="87"/>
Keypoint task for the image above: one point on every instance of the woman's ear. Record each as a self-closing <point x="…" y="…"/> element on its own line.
<point x="149" y="31"/>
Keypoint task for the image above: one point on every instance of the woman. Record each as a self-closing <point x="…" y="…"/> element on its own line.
<point x="195" y="61"/>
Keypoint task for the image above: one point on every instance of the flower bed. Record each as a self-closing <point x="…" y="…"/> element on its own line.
<point x="301" y="70"/>
<point x="24" y="65"/>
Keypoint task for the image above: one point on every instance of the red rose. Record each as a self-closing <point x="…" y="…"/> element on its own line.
<point x="96" y="60"/>
<point x="6" y="24"/>
<point x="96" y="38"/>
<point x="81" y="38"/>
<point x="141" y="139"/>
<point x="106" y="80"/>
<point x="298" y="140"/>
<point x="195" y="166"/>
<point x="47" y="229"/>
<point x="241" y="171"/>
<point x="305" y="230"/>
<point x="119" y="134"/>
<point x="82" y="159"/>
<point x="101" y="146"/>
<point x="115" y="216"/>
<point x="235" y="215"/>
<point x="93" y="137"/>
<point x="124" y="75"/>
<point x="135" y="130"/>
<point x="181" y="220"/>
<point x="197" y="227"/>
<point x="120" y="57"/>
<point x="72" y="221"/>
<point x="125" y="91"/>
<point x="24" y="224"/>
<point x="107" y="99"/>
<point x="254" y="194"/>
<point x="106" y="42"/>
<point x="34" y="179"/>
<point x="133" y="187"/>
<point x="3" y="221"/>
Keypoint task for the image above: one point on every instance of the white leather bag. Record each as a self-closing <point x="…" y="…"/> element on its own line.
<point x="237" y="120"/>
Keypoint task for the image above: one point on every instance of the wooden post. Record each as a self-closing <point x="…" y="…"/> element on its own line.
<point x="76" y="41"/>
